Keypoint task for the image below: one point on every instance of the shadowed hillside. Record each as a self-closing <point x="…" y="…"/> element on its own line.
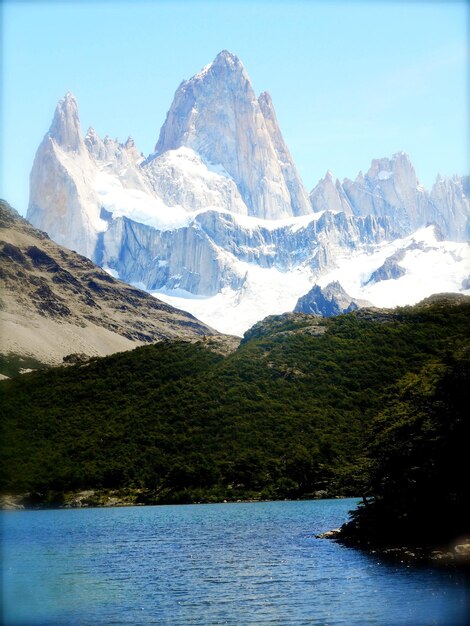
<point x="56" y="302"/>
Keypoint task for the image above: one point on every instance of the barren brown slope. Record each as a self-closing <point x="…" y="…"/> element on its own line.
<point x="55" y="302"/>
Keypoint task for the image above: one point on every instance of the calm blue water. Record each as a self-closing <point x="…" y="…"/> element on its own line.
<point x="256" y="563"/>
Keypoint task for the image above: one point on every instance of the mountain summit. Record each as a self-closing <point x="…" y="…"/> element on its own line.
<point x="65" y="128"/>
<point x="216" y="114"/>
<point x="390" y="188"/>
<point x="62" y="196"/>
<point x="218" y="210"/>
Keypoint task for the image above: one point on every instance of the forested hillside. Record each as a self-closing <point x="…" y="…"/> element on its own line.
<point x="358" y="404"/>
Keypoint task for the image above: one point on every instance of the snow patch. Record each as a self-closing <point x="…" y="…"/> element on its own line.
<point x="218" y="168"/>
<point x="111" y="272"/>
<point x="431" y="267"/>
<point x="138" y="205"/>
<point x="264" y="292"/>
<point x="384" y="175"/>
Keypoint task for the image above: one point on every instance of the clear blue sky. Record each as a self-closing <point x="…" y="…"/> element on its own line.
<point x="350" y="81"/>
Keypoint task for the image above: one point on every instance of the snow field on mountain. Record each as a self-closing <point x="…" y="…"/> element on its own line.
<point x="151" y="210"/>
<point x="137" y="205"/>
<point x="432" y="267"/>
<point x="264" y="292"/>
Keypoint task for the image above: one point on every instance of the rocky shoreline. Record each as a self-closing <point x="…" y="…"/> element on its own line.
<point x="454" y="554"/>
<point x="72" y="500"/>
<point x="97" y="498"/>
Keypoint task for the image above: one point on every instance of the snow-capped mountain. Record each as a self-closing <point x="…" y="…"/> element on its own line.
<point x="217" y="220"/>
<point x="217" y="115"/>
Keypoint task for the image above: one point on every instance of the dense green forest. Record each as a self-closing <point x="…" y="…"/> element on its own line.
<point x="417" y="464"/>
<point x="369" y="403"/>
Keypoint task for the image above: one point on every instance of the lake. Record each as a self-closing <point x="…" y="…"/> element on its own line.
<point x="240" y="564"/>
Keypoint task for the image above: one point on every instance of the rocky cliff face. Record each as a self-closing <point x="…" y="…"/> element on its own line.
<point x="329" y="301"/>
<point x="329" y="195"/>
<point x="218" y="116"/>
<point x="63" y="201"/>
<point x="451" y="198"/>
<point x="299" y="200"/>
<point x="389" y="270"/>
<point x="391" y="189"/>
<point x="215" y="250"/>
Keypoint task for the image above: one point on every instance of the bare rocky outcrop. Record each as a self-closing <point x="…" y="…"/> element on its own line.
<point x="329" y="301"/>
<point x="389" y="270"/>
<point x="329" y="195"/>
<point x="11" y="503"/>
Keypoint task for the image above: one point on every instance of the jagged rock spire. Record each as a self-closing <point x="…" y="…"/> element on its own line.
<point x="328" y="195"/>
<point x="65" y="128"/>
<point x="61" y="202"/>
<point x="217" y="115"/>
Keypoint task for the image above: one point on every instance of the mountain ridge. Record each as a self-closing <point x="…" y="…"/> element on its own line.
<point x="328" y="301"/>
<point x="56" y="302"/>
<point x="391" y="188"/>
<point x="218" y="210"/>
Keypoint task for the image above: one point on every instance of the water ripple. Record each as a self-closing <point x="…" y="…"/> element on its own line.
<point x="231" y="564"/>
